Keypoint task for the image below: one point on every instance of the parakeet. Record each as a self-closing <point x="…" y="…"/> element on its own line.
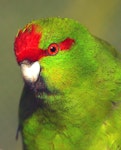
<point x="71" y="98"/>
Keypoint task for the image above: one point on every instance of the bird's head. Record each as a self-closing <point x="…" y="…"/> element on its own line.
<point x="51" y="48"/>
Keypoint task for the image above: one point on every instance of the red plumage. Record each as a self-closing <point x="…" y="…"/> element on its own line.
<point x="26" y="45"/>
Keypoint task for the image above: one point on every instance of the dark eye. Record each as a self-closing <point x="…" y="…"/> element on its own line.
<point x="53" y="49"/>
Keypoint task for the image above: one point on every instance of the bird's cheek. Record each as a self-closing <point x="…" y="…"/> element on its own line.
<point x="56" y="79"/>
<point x="54" y="74"/>
<point x="52" y="77"/>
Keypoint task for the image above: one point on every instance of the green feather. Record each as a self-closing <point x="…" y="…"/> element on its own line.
<point x="84" y="110"/>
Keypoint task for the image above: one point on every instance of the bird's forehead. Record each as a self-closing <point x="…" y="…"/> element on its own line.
<point x="26" y="40"/>
<point x="28" y="37"/>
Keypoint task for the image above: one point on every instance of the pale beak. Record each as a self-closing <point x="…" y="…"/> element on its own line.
<point x="30" y="71"/>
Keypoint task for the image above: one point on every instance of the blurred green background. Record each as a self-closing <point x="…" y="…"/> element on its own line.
<point x="102" y="17"/>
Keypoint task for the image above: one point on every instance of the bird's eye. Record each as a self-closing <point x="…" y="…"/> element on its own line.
<point x="53" y="49"/>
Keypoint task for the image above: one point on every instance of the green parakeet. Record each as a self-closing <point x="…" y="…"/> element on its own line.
<point x="71" y="98"/>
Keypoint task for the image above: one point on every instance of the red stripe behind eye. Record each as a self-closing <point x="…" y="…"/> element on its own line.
<point x="66" y="44"/>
